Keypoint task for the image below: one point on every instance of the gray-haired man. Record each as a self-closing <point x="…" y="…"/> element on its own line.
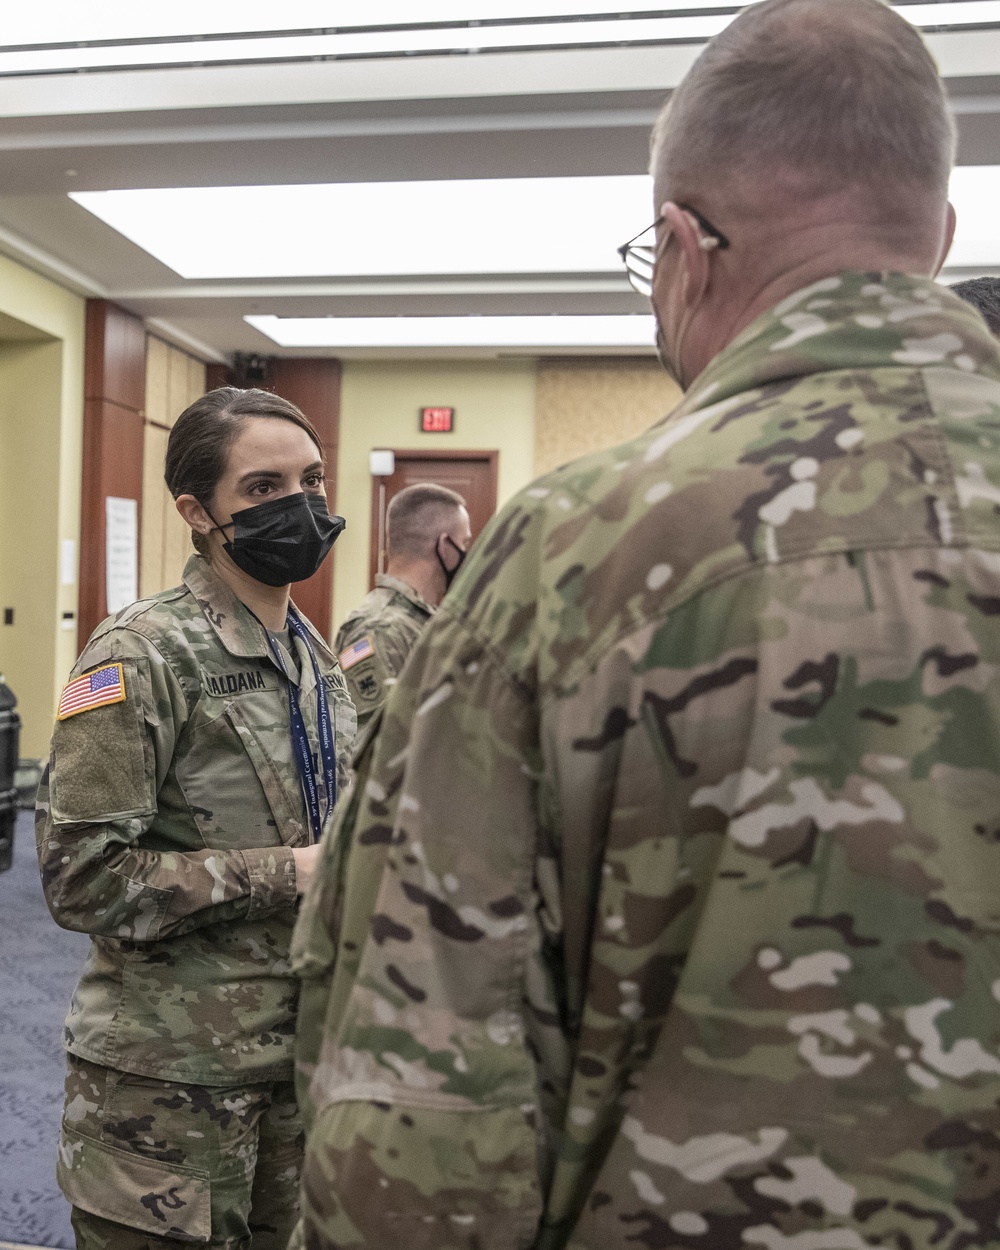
<point x="670" y="912"/>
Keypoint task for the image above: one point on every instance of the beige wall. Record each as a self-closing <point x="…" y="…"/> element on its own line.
<point x="586" y="405"/>
<point x="173" y="381"/>
<point x="494" y="404"/>
<point x="41" y="438"/>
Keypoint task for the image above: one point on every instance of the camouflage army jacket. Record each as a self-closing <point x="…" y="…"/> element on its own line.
<point x="666" y="910"/>
<point x="165" y="827"/>
<point x="375" y="640"/>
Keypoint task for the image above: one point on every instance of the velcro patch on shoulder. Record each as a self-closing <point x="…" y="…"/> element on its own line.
<point x="368" y="688"/>
<point x="95" y="689"/>
<point x="103" y="764"/>
<point x="356" y="652"/>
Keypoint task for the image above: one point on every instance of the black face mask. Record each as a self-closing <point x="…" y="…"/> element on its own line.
<point x="282" y="540"/>
<point x="449" y="574"/>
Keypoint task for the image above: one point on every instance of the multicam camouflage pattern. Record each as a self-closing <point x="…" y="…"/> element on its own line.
<point x="165" y="830"/>
<point x="667" y="909"/>
<point x="391" y="618"/>
<point x="143" y="1160"/>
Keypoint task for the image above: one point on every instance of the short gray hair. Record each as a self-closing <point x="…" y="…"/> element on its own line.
<point x="835" y="93"/>
<point x="416" y="516"/>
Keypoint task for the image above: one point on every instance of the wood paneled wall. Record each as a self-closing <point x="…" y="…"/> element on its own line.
<point x="586" y="405"/>
<point x="114" y="397"/>
<point x="173" y="381"/>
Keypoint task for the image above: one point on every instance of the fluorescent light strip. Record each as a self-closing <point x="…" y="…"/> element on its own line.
<point x="454" y="39"/>
<point x="366" y="44"/>
<point x="974" y="190"/>
<point x="123" y="21"/>
<point x="951" y="13"/>
<point x="427" y="229"/>
<point x="387" y="229"/>
<point x="627" y="330"/>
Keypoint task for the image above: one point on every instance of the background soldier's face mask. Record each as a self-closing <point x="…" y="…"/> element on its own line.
<point x="449" y="573"/>
<point x="282" y="540"/>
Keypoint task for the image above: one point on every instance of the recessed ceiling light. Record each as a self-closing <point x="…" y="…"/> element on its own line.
<point x="598" y="332"/>
<point x="392" y="29"/>
<point x="364" y="43"/>
<point x="69" y="21"/>
<point x="974" y="191"/>
<point x="472" y="226"/>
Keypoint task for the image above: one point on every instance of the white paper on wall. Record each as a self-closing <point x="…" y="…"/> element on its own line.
<point x="67" y="562"/>
<point x="122" y="552"/>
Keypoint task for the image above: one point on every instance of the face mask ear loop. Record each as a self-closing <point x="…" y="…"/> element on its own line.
<point x="221" y="528"/>
<point x="440" y="559"/>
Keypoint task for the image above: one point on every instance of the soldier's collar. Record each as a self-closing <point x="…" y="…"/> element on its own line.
<point x="238" y="629"/>
<point x="386" y="582"/>
<point x="849" y="321"/>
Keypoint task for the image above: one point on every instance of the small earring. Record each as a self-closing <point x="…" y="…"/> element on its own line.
<point x="708" y="243"/>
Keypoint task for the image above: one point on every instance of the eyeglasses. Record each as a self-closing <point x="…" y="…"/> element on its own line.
<point x="640" y="257"/>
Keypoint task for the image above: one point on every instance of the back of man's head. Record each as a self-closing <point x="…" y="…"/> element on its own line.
<point x="416" y="517"/>
<point x="808" y="99"/>
<point x="984" y="295"/>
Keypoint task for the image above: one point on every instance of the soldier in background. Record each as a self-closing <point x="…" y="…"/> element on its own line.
<point x="984" y="295"/>
<point x="666" y="910"/>
<point x="427" y="536"/>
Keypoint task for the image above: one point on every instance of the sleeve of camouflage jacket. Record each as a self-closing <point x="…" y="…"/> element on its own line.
<point x="423" y="1087"/>
<point x="99" y="797"/>
<point x="370" y="680"/>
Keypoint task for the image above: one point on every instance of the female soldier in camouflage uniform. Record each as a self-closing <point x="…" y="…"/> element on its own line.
<point x="194" y="764"/>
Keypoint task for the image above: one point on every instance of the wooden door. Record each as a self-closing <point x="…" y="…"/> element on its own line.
<point x="472" y="473"/>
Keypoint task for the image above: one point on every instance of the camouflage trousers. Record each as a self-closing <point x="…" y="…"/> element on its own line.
<point x="151" y="1164"/>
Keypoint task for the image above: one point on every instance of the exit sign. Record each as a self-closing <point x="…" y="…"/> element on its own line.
<point x="437" y="420"/>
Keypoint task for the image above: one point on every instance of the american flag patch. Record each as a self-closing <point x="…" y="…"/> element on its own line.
<point x="359" y="650"/>
<point x="102" y="686"/>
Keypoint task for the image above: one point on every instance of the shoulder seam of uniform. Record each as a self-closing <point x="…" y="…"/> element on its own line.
<point x="591" y="661"/>
<point x="490" y="652"/>
<point x="167" y="660"/>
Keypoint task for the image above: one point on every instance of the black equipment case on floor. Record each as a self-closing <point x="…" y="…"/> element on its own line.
<point x="10" y="732"/>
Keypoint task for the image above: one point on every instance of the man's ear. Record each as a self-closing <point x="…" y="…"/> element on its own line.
<point x="950" y="222"/>
<point x="695" y="255"/>
<point x="194" y="514"/>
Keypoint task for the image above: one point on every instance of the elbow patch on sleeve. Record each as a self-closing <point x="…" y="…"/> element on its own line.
<point x="102" y="758"/>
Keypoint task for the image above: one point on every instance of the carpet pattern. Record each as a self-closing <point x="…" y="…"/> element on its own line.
<point x="39" y="966"/>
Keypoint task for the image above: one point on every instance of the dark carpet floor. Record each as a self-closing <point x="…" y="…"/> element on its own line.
<point x="39" y="965"/>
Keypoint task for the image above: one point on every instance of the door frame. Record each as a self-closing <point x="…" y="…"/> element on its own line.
<point x="489" y="457"/>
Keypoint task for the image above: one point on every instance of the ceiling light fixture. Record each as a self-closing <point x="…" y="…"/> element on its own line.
<point x="346" y="45"/>
<point x="973" y="191"/>
<point x="446" y="228"/>
<point x="470" y="226"/>
<point x="124" y="21"/>
<point x="519" y="28"/>
<point x="629" y="330"/>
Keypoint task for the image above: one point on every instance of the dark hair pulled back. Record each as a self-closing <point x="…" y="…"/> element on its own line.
<point x="202" y="435"/>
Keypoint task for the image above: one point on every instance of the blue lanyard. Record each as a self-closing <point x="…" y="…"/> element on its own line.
<point x="304" y="759"/>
